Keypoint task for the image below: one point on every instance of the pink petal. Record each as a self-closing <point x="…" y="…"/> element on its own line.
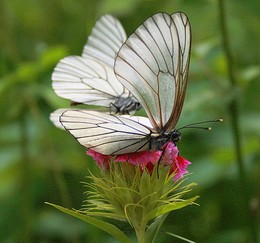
<point x="147" y="159"/>
<point x="101" y="159"/>
<point x="170" y="153"/>
<point x="179" y="167"/>
<point x="139" y="158"/>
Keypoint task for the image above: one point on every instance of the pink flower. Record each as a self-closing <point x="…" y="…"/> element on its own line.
<point x="169" y="156"/>
<point x="140" y="158"/>
<point x="101" y="159"/>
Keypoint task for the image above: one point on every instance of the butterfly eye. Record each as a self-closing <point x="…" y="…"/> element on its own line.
<point x="175" y="136"/>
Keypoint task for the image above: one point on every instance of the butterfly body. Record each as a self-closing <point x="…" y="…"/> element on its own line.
<point x="157" y="140"/>
<point x="125" y="105"/>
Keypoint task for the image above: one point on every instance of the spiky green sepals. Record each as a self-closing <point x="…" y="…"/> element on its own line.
<point x="125" y="192"/>
<point x="129" y="193"/>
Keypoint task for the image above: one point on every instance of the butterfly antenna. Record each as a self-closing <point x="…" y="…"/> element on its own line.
<point x="194" y="125"/>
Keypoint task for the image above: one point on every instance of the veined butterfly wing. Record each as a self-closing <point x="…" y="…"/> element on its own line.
<point x="105" y="40"/>
<point x="86" y="81"/>
<point x="90" y="79"/>
<point x="153" y="65"/>
<point x="107" y="133"/>
<point x="55" y="117"/>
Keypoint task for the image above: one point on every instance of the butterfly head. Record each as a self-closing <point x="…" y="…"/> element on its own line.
<point x="175" y="136"/>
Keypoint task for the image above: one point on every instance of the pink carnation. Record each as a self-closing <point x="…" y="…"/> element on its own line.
<point x="169" y="156"/>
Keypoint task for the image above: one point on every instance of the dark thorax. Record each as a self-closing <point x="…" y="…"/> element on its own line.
<point x="159" y="140"/>
<point x="125" y="106"/>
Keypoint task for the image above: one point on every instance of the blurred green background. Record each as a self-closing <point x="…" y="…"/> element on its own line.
<point x="40" y="163"/>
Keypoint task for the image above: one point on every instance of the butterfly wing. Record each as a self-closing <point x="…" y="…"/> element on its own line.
<point x="106" y="133"/>
<point x="55" y="117"/>
<point x="153" y="65"/>
<point x="86" y="81"/>
<point x="90" y="79"/>
<point x="105" y="40"/>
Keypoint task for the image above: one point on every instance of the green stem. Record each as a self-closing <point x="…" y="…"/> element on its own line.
<point x="138" y="224"/>
<point x="234" y="115"/>
<point x="26" y="181"/>
<point x="140" y="234"/>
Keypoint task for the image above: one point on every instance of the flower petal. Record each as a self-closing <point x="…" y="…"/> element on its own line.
<point x="140" y="158"/>
<point x="179" y="167"/>
<point x="101" y="159"/>
<point x="170" y="153"/>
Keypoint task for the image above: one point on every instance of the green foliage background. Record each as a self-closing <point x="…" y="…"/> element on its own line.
<point x="39" y="162"/>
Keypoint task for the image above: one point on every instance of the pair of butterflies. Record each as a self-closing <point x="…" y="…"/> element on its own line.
<point x="148" y="69"/>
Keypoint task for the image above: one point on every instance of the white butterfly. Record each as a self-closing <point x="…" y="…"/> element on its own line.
<point x="90" y="78"/>
<point x="153" y="65"/>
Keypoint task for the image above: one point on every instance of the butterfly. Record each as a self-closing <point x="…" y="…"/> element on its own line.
<point x="90" y="79"/>
<point x="153" y="65"/>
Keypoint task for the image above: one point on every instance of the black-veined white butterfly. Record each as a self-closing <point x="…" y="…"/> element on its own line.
<point x="90" y="79"/>
<point x="153" y="65"/>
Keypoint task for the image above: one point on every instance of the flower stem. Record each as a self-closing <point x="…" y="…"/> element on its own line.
<point x="234" y="115"/>
<point x="140" y="234"/>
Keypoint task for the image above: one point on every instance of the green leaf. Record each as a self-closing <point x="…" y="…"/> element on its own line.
<point x="154" y="228"/>
<point x="107" y="227"/>
<point x="168" y="208"/>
